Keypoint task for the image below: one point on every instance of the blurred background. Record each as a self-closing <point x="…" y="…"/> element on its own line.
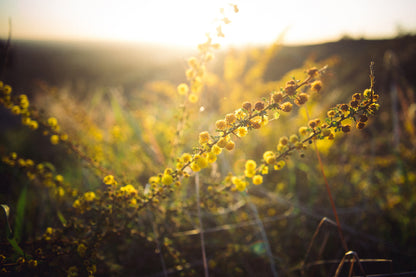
<point x="105" y="66"/>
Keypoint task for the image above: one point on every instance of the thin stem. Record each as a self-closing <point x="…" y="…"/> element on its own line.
<point x="328" y="190"/>
<point x="204" y="257"/>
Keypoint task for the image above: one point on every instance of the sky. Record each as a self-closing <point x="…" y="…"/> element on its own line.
<point x="185" y="22"/>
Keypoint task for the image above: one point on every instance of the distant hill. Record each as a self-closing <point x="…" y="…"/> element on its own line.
<point x="130" y="65"/>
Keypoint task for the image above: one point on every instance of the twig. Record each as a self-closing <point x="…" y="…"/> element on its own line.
<point x="204" y="257"/>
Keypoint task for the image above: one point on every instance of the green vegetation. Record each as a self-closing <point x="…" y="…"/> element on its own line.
<point x="275" y="161"/>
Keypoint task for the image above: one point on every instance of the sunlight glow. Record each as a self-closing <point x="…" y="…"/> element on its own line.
<point x="185" y="22"/>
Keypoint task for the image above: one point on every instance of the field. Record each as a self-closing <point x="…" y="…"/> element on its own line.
<point x="147" y="160"/>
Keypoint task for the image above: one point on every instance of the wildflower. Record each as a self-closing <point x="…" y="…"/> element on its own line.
<point x="24" y="102"/>
<point x="203" y="137"/>
<point x="344" y="107"/>
<point x="222" y="142"/>
<point x="195" y="167"/>
<point x="247" y="106"/>
<point x="301" y="99"/>
<point x="241" y="131"/>
<point x="64" y="137"/>
<point x="331" y="113"/>
<point x="221" y="124"/>
<point x="167" y="179"/>
<point x="257" y="179"/>
<point x="7" y="89"/>
<point x="89" y="196"/>
<point x="52" y="121"/>
<point x="363" y="118"/>
<point x="259" y="106"/>
<point x="265" y="170"/>
<point x="360" y="125"/>
<point x="293" y="139"/>
<point x="269" y="157"/>
<point x="230" y="145"/>
<point x="216" y="149"/>
<point x="183" y="89"/>
<point x="211" y="157"/>
<point x="72" y="271"/>
<point x="279" y="165"/>
<point x="354" y="103"/>
<point x="81" y="249"/>
<point x="249" y="173"/>
<point x="193" y="98"/>
<point x="109" y="180"/>
<point x="32" y="263"/>
<point x="33" y="125"/>
<point x="316" y="86"/>
<point x="238" y="183"/>
<point x="346" y="128"/>
<point x="16" y="110"/>
<point x="193" y="62"/>
<point x="314" y="123"/>
<point x="128" y="189"/>
<point x="356" y="96"/>
<point x="290" y="88"/>
<point x="283" y="140"/>
<point x="54" y="139"/>
<point x="303" y="131"/>
<point x="286" y="107"/>
<point x="201" y="161"/>
<point x="230" y="118"/>
<point x="240" y="114"/>
<point x="277" y="97"/>
<point x="186" y="157"/>
<point x="312" y="72"/>
<point x="326" y="132"/>
<point x="250" y="165"/>
<point x="190" y="73"/>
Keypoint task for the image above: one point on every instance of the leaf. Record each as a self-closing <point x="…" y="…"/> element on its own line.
<point x="20" y="214"/>
<point x="9" y="233"/>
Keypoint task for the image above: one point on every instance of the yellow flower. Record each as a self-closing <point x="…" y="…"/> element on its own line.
<point x="316" y="86"/>
<point x="216" y="149"/>
<point x="250" y="165"/>
<point x="269" y="157"/>
<point x="128" y="189"/>
<point x="211" y="157"/>
<point x="303" y="131"/>
<point x="54" y="139"/>
<point x="279" y="165"/>
<point x="167" y="179"/>
<point x="249" y="173"/>
<point x="52" y="121"/>
<point x="241" y="131"/>
<point x="222" y="142"/>
<point x="230" y="118"/>
<point x="203" y="137"/>
<point x="221" y="124"/>
<point x="257" y="179"/>
<point x="240" y="114"/>
<point x="82" y="248"/>
<point x="89" y="196"/>
<point x="195" y="167"/>
<point x="33" y="125"/>
<point x="16" y="110"/>
<point x="186" y="157"/>
<point x="7" y="89"/>
<point x="201" y="161"/>
<point x="193" y="98"/>
<point x="286" y="107"/>
<point x="109" y="180"/>
<point x="230" y="145"/>
<point x="183" y="89"/>
<point x="59" y="178"/>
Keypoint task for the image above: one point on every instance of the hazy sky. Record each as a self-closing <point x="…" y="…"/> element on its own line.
<point x="184" y="22"/>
